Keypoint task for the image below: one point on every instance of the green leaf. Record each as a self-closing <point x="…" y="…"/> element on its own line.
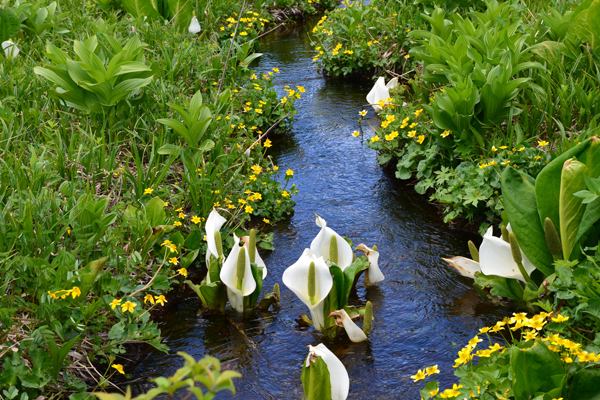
<point x="316" y="381"/>
<point x="501" y="286"/>
<point x="10" y="26"/>
<point x="212" y="295"/>
<point x="155" y="212"/>
<point x="520" y="203"/>
<point x="140" y="8"/>
<point x="170" y="149"/>
<point x="547" y="184"/>
<point x="257" y="274"/>
<point x="571" y="208"/>
<point x="589" y="218"/>
<point x="182" y="11"/>
<point x="351" y="273"/>
<point x="585" y="385"/>
<point x="88" y="278"/>
<point x="534" y="370"/>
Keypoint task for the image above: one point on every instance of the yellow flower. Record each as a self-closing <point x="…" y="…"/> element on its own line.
<point x="181" y="215"/>
<point x="432" y="370"/>
<point x="494" y="148"/>
<point x="149" y="298"/>
<point x="119" y="368"/>
<point x="285" y="194"/>
<point x="521" y="149"/>
<point x="75" y="292"/>
<point x="355" y="133"/>
<point x="385" y="124"/>
<point x="407" y="56"/>
<point x="256" y="169"/>
<point x="115" y="303"/>
<point x="148" y="191"/>
<point x="560" y="318"/>
<point x="128" y="306"/>
<point x="276" y="70"/>
<point x="362" y="113"/>
<point x="437" y="390"/>
<point x="174" y="260"/>
<point x="542" y="143"/>
<point x="177" y="223"/>
<point x="196" y="219"/>
<point x="301" y="89"/>
<point x="506" y="162"/>
<point x="412" y="133"/>
<point x="182" y="271"/>
<point x="266" y="221"/>
<point x="289" y="172"/>
<point x="413" y="125"/>
<point x="161" y="300"/>
<point x="473" y="342"/>
<point x="284" y="100"/>
<point x="421" y="139"/>
<point x="248" y="209"/>
<point x="374" y="139"/>
<point x="267" y="143"/>
<point x="420" y="375"/>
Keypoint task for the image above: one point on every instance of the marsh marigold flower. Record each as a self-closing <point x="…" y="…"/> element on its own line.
<point x="128" y="306"/>
<point x="119" y="368"/>
<point x="115" y="303"/>
<point x="148" y="191"/>
<point x="160" y="300"/>
<point x="182" y="271"/>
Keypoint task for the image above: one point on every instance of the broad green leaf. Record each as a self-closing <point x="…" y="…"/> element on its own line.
<point x="589" y="218"/>
<point x="155" y="212"/>
<point x="140" y="8"/>
<point x="518" y="192"/>
<point x="591" y="157"/>
<point x="350" y="275"/>
<point x="571" y="207"/>
<point x="169" y="149"/>
<point x="89" y="277"/>
<point x="9" y="24"/>
<point x="181" y="10"/>
<point x="103" y="90"/>
<point x="547" y="184"/>
<point x="212" y="295"/>
<point x="534" y="370"/>
<point x="177" y="127"/>
<point x="125" y="88"/>
<point x="316" y="381"/>
<point x="501" y="286"/>
<point x="57" y="76"/>
<point x="585" y="385"/>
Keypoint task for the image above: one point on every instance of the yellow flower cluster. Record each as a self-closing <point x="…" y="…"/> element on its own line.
<point x="154" y="299"/>
<point x="64" y="293"/>
<point x="421" y="374"/>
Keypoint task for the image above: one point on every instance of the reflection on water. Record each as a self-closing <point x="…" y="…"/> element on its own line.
<point x="423" y="309"/>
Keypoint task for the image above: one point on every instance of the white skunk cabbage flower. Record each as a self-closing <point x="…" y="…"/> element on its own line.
<point x="380" y="92"/>
<point x="194" y="25"/>
<point x="250" y="245"/>
<point x="236" y="274"/>
<point x="214" y="222"/>
<point x="495" y="258"/>
<point x="310" y="280"/>
<point x="331" y="246"/>
<point x="343" y="319"/>
<point x="321" y="358"/>
<point x="373" y="274"/>
<point x="10" y="49"/>
<point x="465" y="266"/>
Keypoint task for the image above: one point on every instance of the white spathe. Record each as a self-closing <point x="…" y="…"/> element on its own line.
<point x="230" y="279"/>
<point x="194" y="25"/>
<point x="296" y="279"/>
<point x="465" y="266"/>
<point x="258" y="261"/>
<point x="214" y="222"/>
<point x="380" y="91"/>
<point x="338" y="376"/>
<point x="343" y="319"/>
<point x="10" y="49"/>
<point x="374" y="274"/>
<point x="495" y="258"/>
<point x="321" y="244"/>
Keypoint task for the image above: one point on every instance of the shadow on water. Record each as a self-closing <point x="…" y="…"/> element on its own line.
<point x="423" y="310"/>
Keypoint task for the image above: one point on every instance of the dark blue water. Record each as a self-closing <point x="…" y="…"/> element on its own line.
<point x="424" y="311"/>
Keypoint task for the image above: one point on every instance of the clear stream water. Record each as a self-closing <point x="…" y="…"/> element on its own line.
<point x="424" y="311"/>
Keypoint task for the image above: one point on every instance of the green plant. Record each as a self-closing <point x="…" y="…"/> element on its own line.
<point x="97" y="83"/>
<point x="193" y="376"/>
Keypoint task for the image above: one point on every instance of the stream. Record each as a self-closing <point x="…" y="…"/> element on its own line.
<point x="424" y="311"/>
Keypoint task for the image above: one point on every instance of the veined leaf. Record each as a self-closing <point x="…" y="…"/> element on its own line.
<point x="518" y="191"/>
<point x="571" y="208"/>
